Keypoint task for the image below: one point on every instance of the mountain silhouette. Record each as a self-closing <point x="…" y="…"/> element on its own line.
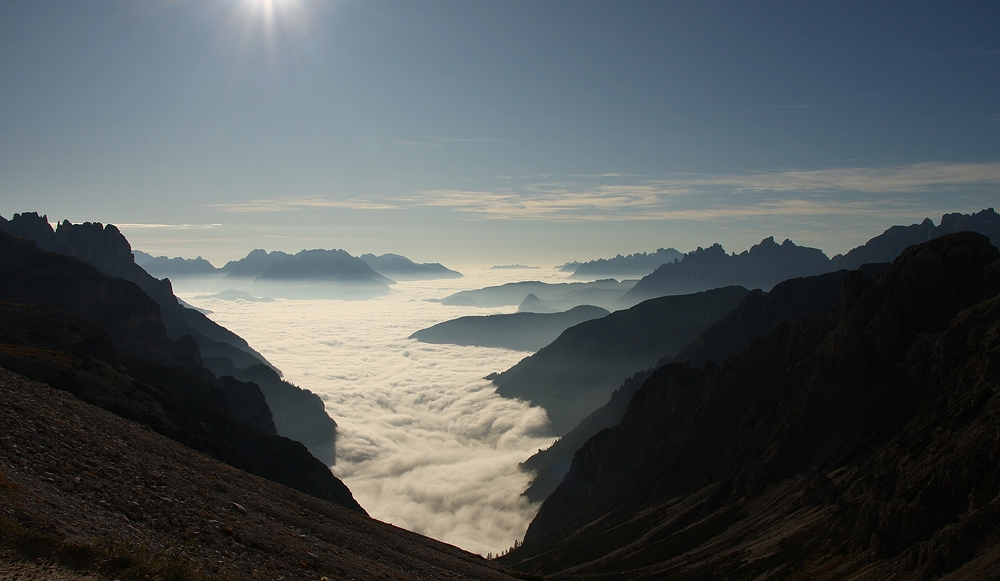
<point x="757" y="314"/>
<point x="102" y="339"/>
<point x="518" y="331"/>
<point x="161" y="266"/>
<point x="557" y="296"/>
<point x="862" y="442"/>
<point x="762" y="266"/>
<point x="631" y="266"/>
<point x="398" y="267"/>
<point x="300" y="414"/>
<point x="575" y="374"/>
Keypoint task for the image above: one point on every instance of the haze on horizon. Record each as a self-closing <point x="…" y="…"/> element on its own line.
<point x="496" y="132"/>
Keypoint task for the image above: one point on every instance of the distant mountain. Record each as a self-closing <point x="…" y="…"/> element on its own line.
<point x="162" y="267"/>
<point x="632" y="266"/>
<point x="568" y="266"/>
<point x="105" y="248"/>
<point x="398" y="267"/>
<point x="557" y="296"/>
<point x="518" y="331"/>
<point x="102" y="339"/>
<point x="235" y="295"/>
<point x="321" y="274"/>
<point x="253" y="264"/>
<point x="888" y="245"/>
<point x="756" y="315"/>
<point x="859" y="446"/>
<point x="533" y="304"/>
<point x="513" y="267"/>
<point x="762" y="266"/>
<point x="575" y="374"/>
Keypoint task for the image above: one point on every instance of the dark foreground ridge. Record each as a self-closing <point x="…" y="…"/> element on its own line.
<point x="863" y="446"/>
<point x="104" y="497"/>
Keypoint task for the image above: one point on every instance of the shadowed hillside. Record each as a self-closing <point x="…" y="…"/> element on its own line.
<point x="862" y="446"/>
<point x="299" y="414"/>
<point x="576" y="373"/>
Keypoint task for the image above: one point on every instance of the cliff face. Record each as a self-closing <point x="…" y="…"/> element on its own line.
<point x="864" y="445"/>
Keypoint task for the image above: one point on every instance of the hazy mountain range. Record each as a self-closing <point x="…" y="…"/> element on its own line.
<point x="631" y="266"/>
<point x="313" y="265"/>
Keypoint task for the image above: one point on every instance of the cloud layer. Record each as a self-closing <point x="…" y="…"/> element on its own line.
<point x="425" y="443"/>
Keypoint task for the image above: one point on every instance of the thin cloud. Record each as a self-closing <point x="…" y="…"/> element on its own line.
<point x="165" y="226"/>
<point x="298" y="204"/>
<point x="709" y="197"/>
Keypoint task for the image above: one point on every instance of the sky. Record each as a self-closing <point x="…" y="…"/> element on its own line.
<point x="495" y="132"/>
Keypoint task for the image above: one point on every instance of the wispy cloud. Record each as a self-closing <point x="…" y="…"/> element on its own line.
<point x="611" y="196"/>
<point x="298" y="204"/>
<point x="710" y="197"/>
<point x="165" y="226"/>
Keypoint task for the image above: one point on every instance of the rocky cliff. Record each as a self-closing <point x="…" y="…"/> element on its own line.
<point x="861" y="446"/>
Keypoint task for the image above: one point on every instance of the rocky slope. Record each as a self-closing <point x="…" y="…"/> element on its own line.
<point x="576" y="373"/>
<point x="87" y="494"/>
<point x="102" y="338"/>
<point x="226" y="419"/>
<point x="863" y="446"/>
<point x="518" y="331"/>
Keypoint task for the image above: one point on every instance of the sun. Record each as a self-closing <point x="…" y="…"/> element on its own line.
<point x="269" y="9"/>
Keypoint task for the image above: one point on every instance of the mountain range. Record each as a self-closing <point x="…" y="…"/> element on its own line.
<point x="630" y="266"/>
<point x="386" y="268"/>
<point x="856" y="445"/>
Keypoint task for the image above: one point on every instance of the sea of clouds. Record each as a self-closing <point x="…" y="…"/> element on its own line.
<point x="424" y="441"/>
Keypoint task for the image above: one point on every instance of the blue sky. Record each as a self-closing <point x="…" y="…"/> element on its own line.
<point x="493" y="132"/>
